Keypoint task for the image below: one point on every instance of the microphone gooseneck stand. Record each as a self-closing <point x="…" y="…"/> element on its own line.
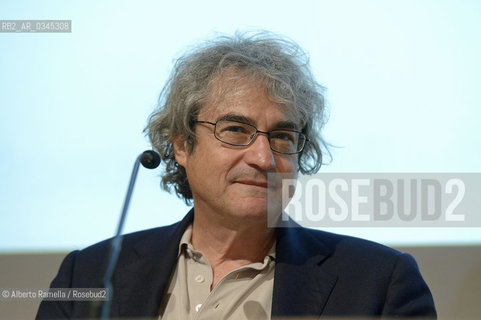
<point x="151" y="160"/>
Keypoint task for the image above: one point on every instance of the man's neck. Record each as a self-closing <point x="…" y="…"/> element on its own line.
<point x="228" y="246"/>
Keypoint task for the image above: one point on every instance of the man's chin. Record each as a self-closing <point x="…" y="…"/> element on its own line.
<point x="258" y="208"/>
<point x="252" y="209"/>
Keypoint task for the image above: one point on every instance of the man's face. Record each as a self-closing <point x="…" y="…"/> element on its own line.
<point x="231" y="181"/>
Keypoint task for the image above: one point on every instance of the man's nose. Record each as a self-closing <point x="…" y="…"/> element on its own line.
<point x="260" y="154"/>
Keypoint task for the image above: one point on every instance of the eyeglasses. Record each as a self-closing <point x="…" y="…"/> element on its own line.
<point x="235" y="133"/>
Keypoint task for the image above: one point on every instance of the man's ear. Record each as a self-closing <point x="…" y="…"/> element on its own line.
<point x="180" y="150"/>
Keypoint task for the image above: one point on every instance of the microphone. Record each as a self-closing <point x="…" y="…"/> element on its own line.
<point x="150" y="160"/>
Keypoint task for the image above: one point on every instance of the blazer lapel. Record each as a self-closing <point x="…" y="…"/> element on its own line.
<point x="301" y="285"/>
<point x="142" y="281"/>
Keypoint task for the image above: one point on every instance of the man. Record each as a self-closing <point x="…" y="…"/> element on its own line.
<point x="233" y="111"/>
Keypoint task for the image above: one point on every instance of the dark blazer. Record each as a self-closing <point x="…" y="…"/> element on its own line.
<point x="317" y="273"/>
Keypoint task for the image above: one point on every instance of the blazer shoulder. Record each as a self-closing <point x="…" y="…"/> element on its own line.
<point x="350" y="244"/>
<point x="143" y="239"/>
<point x="389" y="279"/>
<point x="353" y="246"/>
<point x="348" y="254"/>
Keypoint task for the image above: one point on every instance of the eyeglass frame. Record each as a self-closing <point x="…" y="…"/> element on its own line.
<point x="267" y="133"/>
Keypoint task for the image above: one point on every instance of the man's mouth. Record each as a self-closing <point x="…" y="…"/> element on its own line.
<point x="256" y="183"/>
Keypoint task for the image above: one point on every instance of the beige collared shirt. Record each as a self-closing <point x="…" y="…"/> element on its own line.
<point x="245" y="293"/>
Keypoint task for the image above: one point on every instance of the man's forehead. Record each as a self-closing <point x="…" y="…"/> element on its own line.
<point x="231" y="97"/>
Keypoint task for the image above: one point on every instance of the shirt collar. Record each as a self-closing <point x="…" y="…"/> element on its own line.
<point x="186" y="244"/>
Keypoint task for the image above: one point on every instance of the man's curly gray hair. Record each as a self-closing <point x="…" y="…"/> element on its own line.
<point x="279" y="65"/>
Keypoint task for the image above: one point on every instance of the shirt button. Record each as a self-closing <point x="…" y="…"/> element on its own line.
<point x="197" y="307"/>
<point x="199" y="279"/>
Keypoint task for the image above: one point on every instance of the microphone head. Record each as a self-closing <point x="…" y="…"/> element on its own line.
<point x="150" y="159"/>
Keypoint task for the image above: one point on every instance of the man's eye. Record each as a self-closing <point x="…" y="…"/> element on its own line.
<point x="284" y="136"/>
<point x="234" y="129"/>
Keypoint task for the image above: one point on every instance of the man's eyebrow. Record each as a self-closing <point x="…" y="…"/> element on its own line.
<point x="237" y="117"/>
<point x="286" y="125"/>
<point x="240" y="118"/>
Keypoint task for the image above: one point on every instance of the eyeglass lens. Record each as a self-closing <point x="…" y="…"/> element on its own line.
<point x="242" y="134"/>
